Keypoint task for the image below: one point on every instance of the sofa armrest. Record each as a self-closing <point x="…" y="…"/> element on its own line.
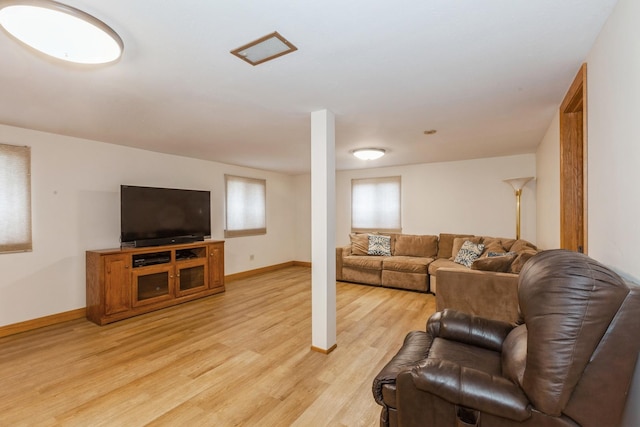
<point x="484" y="293"/>
<point x="467" y="387"/>
<point x="469" y="329"/>
<point x="341" y="252"/>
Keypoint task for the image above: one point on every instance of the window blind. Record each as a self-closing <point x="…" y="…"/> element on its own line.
<point x="245" y="206"/>
<point x="15" y="198"/>
<point x="375" y="204"/>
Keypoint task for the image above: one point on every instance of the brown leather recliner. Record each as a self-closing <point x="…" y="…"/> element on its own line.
<point x="569" y="364"/>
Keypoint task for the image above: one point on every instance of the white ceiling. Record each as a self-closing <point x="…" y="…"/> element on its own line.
<point x="488" y="75"/>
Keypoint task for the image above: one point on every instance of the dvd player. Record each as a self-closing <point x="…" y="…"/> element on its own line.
<point x="141" y="262"/>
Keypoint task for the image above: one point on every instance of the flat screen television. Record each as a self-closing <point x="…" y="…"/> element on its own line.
<point x="152" y="216"/>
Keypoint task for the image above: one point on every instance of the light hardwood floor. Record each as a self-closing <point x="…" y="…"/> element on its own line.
<point x="242" y="358"/>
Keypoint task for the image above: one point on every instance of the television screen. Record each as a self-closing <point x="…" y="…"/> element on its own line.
<point x="157" y="216"/>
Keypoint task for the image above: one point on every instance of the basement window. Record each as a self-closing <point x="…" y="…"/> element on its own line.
<point x="375" y="204"/>
<point x="15" y="198"/>
<point x="245" y="206"/>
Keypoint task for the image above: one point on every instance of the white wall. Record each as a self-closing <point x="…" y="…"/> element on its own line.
<point x="613" y="158"/>
<point x="303" y="218"/>
<point x="613" y="85"/>
<point x="76" y="207"/>
<point x="548" y="187"/>
<point x="452" y="197"/>
<point x="613" y="91"/>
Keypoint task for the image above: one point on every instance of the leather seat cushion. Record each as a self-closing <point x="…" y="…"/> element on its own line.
<point x="467" y="356"/>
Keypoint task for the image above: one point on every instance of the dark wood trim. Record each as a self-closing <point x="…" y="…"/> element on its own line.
<point x="573" y="165"/>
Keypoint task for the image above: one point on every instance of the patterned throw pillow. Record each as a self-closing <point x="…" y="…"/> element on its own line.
<point x="495" y="254"/>
<point x="379" y="245"/>
<point x="468" y="253"/>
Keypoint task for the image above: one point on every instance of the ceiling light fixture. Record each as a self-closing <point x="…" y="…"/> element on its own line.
<point x="368" y="153"/>
<point x="264" y="49"/>
<point x="61" y="31"/>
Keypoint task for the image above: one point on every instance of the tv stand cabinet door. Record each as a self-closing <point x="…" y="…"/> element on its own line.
<point x="117" y="284"/>
<point x="216" y="266"/>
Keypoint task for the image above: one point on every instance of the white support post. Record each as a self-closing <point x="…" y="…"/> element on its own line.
<point x="323" y="259"/>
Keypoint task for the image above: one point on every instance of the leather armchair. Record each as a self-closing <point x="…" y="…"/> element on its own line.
<point x="570" y="363"/>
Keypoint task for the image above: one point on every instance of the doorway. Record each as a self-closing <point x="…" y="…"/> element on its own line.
<point x="573" y="157"/>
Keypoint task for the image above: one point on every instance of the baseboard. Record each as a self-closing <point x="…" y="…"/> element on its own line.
<point x="41" y="322"/>
<point x="249" y="273"/>
<point x="81" y="313"/>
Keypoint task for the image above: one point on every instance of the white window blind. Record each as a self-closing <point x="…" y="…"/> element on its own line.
<point x="375" y="204"/>
<point x="246" y="206"/>
<point x="15" y="198"/>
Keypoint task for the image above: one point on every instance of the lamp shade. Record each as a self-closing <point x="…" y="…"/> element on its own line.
<point x="369" y="153"/>
<point x="61" y="31"/>
<point x="518" y="183"/>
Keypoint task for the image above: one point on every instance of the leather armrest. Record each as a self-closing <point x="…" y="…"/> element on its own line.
<point x="469" y="329"/>
<point x="471" y="388"/>
<point x="414" y="349"/>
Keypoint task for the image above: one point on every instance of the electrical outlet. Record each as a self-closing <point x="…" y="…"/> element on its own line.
<point x="251" y="257"/>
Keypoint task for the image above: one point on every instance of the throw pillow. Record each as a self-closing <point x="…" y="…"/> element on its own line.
<point x="459" y="241"/>
<point x="445" y="244"/>
<point x="379" y="245"/>
<point x="521" y="259"/>
<point x="468" y="253"/>
<point x="359" y="243"/>
<point x="497" y="254"/>
<point x="494" y="263"/>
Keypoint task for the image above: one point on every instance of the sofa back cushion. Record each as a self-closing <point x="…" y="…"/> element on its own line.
<point x="359" y="243"/>
<point x="445" y="244"/>
<point x="419" y="246"/>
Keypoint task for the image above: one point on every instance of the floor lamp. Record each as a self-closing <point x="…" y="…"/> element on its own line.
<point x="518" y="184"/>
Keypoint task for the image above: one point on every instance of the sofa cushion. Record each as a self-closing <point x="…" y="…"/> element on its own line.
<point x="417" y="246"/>
<point x="521" y="245"/>
<point x="379" y="245"/>
<point x="407" y="264"/>
<point x="359" y="243"/>
<point x="494" y="263"/>
<point x="522" y="257"/>
<point x="445" y="243"/>
<point x="459" y="241"/>
<point x="444" y="263"/>
<point x="492" y="244"/>
<point x="468" y="253"/>
<point x="366" y="262"/>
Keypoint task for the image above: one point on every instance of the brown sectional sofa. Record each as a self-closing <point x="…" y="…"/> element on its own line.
<point x="418" y="262"/>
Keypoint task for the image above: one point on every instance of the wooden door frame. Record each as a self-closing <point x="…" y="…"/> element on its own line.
<point x="573" y="165"/>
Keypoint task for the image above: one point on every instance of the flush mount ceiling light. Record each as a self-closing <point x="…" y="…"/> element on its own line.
<point x="368" y="153"/>
<point x="264" y="49"/>
<point x="61" y="31"/>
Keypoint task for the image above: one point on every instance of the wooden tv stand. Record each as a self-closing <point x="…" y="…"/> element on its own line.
<point x="125" y="282"/>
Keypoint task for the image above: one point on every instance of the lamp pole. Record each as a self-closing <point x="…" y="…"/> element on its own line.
<point x="518" y="184"/>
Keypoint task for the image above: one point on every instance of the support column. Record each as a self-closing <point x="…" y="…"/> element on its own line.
<point x="323" y="232"/>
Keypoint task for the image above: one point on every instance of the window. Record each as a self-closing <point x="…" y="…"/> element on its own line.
<point x="15" y="198"/>
<point x="375" y="204"/>
<point x="246" y="206"/>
